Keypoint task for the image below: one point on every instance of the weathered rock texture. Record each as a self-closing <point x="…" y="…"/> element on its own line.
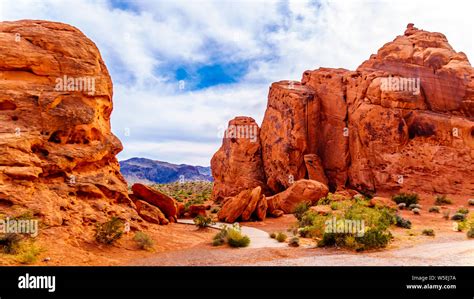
<point x="57" y="152"/>
<point x="244" y="206"/>
<point x="167" y="205"/>
<point x="403" y="121"/>
<point x="302" y="191"/>
<point x="237" y="165"/>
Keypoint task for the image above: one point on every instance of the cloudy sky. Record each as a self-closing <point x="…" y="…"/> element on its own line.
<point x="226" y="53"/>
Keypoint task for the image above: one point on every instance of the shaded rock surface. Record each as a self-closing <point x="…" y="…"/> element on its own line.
<point x="166" y="204"/>
<point x="57" y="151"/>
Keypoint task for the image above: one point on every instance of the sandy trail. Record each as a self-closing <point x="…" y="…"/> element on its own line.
<point x="455" y="253"/>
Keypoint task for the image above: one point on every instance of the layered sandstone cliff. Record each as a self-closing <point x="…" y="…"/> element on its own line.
<point x="403" y="121"/>
<point x="57" y="152"/>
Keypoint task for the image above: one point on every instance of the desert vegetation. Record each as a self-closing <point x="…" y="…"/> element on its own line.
<point x="232" y="236"/>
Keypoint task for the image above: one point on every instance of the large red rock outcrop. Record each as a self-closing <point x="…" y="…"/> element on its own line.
<point x="237" y="165"/>
<point x="57" y="152"/>
<point x="403" y="121"/>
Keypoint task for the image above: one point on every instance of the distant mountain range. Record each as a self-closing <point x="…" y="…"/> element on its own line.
<point x="141" y="170"/>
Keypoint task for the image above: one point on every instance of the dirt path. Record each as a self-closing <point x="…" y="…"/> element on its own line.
<point x="455" y="253"/>
<point x="259" y="237"/>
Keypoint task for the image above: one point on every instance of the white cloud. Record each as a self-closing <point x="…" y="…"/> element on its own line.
<point x="281" y="39"/>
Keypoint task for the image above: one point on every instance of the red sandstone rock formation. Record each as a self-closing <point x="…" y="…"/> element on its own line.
<point x="57" y="152"/>
<point x="246" y="204"/>
<point x="403" y="121"/>
<point x="166" y="204"/>
<point x="308" y="191"/>
<point x="237" y="165"/>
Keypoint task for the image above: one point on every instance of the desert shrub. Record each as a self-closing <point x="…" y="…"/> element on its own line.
<point x="232" y="235"/>
<point x="28" y="252"/>
<point x="294" y="242"/>
<point x="442" y="200"/>
<point x="10" y="243"/>
<point x="334" y="206"/>
<point x="235" y="238"/>
<point x="110" y="231"/>
<point x="144" y="241"/>
<point x="300" y="209"/>
<point x="414" y="206"/>
<point x="470" y="202"/>
<point x="325" y="200"/>
<point x="470" y="233"/>
<point x="434" y="209"/>
<point x="401" y="222"/>
<point x="458" y="217"/>
<point x="281" y="237"/>
<point x="406" y="198"/>
<point x="203" y="221"/>
<point x="374" y="237"/>
<point x="428" y="232"/>
<point x="463" y="211"/>
<point x="272" y="235"/>
<point x="416" y="211"/>
<point x="402" y="205"/>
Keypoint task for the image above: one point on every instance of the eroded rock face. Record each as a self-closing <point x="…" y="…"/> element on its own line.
<point x="57" y="152"/>
<point x="403" y="121"/>
<point x="288" y="133"/>
<point x="237" y="165"/>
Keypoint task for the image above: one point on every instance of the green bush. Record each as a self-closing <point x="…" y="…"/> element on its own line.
<point x="28" y="252"/>
<point x="143" y="241"/>
<point x="401" y="222"/>
<point x="300" y="209"/>
<point x="463" y="211"/>
<point x="434" y="209"/>
<point x="236" y="239"/>
<point x="272" y="235"/>
<point x="203" y="221"/>
<point x="406" y="198"/>
<point x="442" y="200"/>
<point x="281" y="237"/>
<point x="231" y="235"/>
<point x="294" y="242"/>
<point x="376" y="222"/>
<point x="428" y="232"/>
<point x="110" y="231"/>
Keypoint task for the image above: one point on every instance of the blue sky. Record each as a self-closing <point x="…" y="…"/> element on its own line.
<point x="226" y="53"/>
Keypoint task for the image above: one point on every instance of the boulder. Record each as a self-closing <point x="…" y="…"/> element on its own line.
<point x="166" y="204"/>
<point x="308" y="191"/>
<point x="195" y="210"/>
<point x="243" y="206"/>
<point x="150" y="213"/>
